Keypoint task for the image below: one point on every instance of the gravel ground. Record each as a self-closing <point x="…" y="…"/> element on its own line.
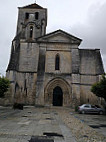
<point x="81" y="131"/>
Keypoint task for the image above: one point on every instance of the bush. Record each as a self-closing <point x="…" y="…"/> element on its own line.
<point x="99" y="88"/>
<point x="76" y="108"/>
<point x="4" y="85"/>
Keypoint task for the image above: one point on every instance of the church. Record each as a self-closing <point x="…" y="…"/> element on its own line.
<point x="50" y="69"/>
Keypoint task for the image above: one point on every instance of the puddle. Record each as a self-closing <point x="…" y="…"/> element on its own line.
<point x="103" y="125"/>
<point x="52" y="134"/>
<point x="24" y="116"/>
<point x="40" y="139"/>
<point x="49" y="118"/>
<point x="85" y="136"/>
<point x="98" y="126"/>
<point x="95" y="126"/>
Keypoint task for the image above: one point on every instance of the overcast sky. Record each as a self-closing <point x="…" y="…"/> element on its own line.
<point x="85" y="19"/>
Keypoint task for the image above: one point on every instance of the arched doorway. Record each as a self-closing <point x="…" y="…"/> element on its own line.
<point x="57" y="93"/>
<point x="57" y="96"/>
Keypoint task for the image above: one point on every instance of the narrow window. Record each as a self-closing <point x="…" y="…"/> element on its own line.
<point x="36" y="15"/>
<point x="26" y="16"/>
<point x="16" y="87"/>
<point x="31" y="31"/>
<point x="25" y="87"/>
<point x="57" y="62"/>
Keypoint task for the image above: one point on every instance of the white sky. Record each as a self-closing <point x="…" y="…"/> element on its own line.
<point x="85" y="19"/>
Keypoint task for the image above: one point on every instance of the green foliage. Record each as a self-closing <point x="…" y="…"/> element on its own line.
<point x="76" y="108"/>
<point x="4" y="85"/>
<point x="99" y="88"/>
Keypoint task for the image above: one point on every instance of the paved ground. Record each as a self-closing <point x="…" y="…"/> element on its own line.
<point x="98" y="122"/>
<point x="50" y="125"/>
<point x="43" y="123"/>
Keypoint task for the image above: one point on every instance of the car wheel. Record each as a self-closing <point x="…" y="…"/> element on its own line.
<point x="83" y="112"/>
<point x="79" y="112"/>
<point x="100" y="112"/>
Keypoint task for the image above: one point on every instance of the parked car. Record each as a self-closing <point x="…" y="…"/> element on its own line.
<point x="88" y="108"/>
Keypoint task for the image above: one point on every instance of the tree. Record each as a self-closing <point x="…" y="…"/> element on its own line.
<point x="4" y="85"/>
<point x="99" y="88"/>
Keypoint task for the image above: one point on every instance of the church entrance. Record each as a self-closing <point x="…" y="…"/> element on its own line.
<point x="57" y="96"/>
<point x="57" y="93"/>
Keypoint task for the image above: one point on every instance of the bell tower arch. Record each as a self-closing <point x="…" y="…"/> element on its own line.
<point x="32" y="22"/>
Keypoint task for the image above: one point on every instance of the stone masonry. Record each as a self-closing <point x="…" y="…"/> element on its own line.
<point x="50" y="69"/>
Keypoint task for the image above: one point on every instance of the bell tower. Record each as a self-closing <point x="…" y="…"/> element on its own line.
<point x="32" y="22"/>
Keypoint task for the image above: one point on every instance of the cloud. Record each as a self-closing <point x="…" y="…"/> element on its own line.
<point x="64" y="15"/>
<point x="93" y="32"/>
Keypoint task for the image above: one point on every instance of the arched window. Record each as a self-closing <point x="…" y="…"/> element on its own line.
<point x="57" y="62"/>
<point x="31" y="31"/>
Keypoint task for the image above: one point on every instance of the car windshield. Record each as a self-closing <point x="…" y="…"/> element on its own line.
<point x="86" y="106"/>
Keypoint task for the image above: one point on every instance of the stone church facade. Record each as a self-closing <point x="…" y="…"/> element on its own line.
<point x="50" y="69"/>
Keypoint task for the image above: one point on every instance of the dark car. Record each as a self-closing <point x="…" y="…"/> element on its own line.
<point x="88" y="108"/>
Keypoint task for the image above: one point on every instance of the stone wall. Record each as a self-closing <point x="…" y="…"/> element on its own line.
<point x="87" y="62"/>
<point x="28" y="58"/>
<point x="87" y="96"/>
<point x="23" y="87"/>
<point x="63" y="74"/>
<point x="40" y="76"/>
<point x="76" y="88"/>
<point x="77" y="71"/>
<point x="91" y="68"/>
<point x="65" y="61"/>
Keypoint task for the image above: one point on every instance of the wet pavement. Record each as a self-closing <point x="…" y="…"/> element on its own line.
<point x="97" y="122"/>
<point x="33" y="125"/>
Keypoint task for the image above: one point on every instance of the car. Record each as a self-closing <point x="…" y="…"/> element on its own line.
<point x="88" y="108"/>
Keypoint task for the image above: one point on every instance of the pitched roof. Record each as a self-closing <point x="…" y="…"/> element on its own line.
<point x="34" y="5"/>
<point x="72" y="38"/>
<point x="60" y="31"/>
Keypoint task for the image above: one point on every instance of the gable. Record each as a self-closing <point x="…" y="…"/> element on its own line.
<point x="35" y="6"/>
<point x="60" y="37"/>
